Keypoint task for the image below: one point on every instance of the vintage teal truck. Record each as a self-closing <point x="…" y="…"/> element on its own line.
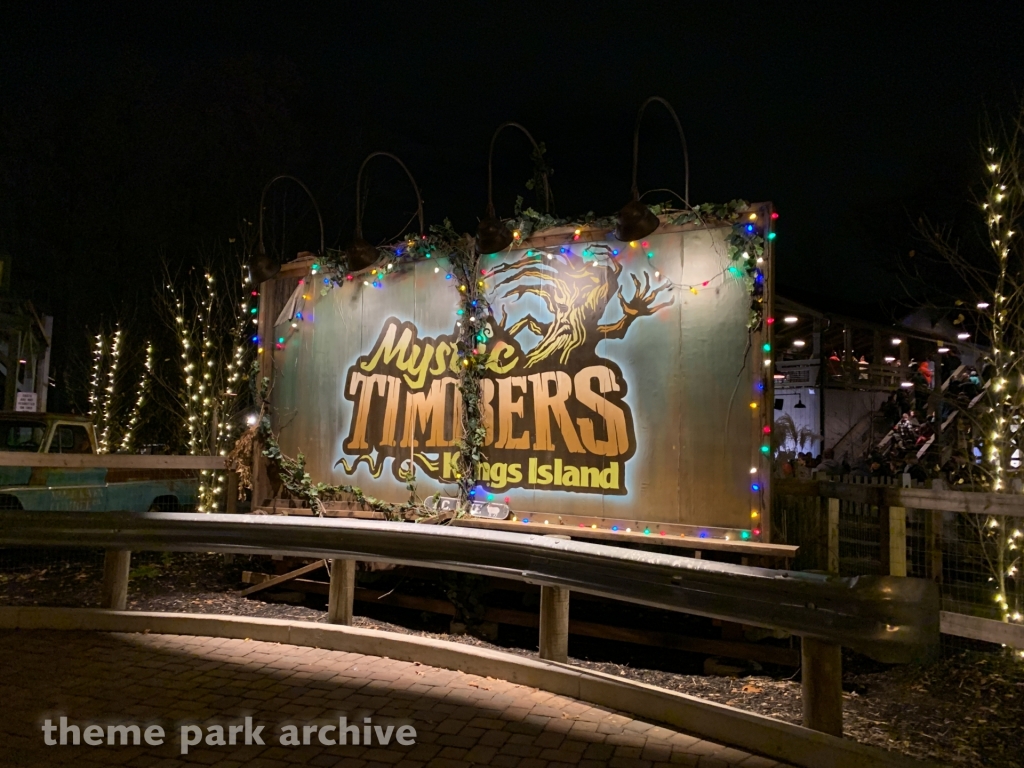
<point x="80" y="488"/>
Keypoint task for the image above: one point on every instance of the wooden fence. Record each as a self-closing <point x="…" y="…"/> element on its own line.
<point x="859" y="525"/>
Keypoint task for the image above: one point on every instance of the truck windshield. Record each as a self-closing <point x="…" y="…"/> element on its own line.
<point x="22" y="435"/>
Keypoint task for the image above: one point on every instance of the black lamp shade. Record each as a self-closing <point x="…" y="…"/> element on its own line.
<point x="492" y="236"/>
<point x="263" y="267"/>
<point x="635" y="221"/>
<point x="361" y="255"/>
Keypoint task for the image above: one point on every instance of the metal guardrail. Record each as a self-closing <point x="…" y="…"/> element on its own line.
<point x="889" y="619"/>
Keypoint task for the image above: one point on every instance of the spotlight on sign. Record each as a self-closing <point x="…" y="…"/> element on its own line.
<point x="492" y="235"/>
<point x="359" y="253"/>
<point x="635" y="220"/>
<point x="262" y="266"/>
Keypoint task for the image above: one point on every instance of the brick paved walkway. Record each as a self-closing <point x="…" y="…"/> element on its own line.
<point x="460" y="720"/>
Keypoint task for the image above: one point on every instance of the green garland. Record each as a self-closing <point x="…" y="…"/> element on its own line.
<point x="745" y="249"/>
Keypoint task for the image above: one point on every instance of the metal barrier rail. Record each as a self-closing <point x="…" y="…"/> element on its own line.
<point x="889" y="619"/>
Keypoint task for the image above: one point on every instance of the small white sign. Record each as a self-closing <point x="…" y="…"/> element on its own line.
<point x="489" y="510"/>
<point x="25" y="401"/>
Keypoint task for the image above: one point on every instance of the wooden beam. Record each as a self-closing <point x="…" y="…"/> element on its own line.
<point x="671" y="539"/>
<point x="988" y="630"/>
<point x="978" y="503"/>
<point x="108" y="461"/>
<point x="284" y="577"/>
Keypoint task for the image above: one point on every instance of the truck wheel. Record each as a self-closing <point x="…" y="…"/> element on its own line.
<point x="165" y="504"/>
<point x="8" y="502"/>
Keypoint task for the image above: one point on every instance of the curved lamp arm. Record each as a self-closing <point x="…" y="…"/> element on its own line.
<point x="490" y="170"/>
<point x="359" y="187"/>
<point x="636" y="146"/>
<point x="312" y="199"/>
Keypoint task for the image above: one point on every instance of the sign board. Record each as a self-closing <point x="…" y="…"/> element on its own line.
<point x="622" y="381"/>
<point x="490" y="509"/>
<point x="25" y="401"/>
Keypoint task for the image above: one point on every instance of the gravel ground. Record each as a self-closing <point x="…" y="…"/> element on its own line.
<point x="965" y="710"/>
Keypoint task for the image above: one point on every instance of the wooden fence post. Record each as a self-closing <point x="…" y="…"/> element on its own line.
<point x="833" y="536"/>
<point x="933" y="544"/>
<point x="342" y="592"/>
<point x="116" y="564"/>
<point x="231" y="503"/>
<point x="822" y="680"/>
<point x="897" y="540"/>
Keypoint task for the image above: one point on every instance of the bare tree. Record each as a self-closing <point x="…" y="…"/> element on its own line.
<point x="990" y="307"/>
<point x="210" y="313"/>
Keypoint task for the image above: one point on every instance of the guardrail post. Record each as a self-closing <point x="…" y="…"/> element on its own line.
<point x="554" y="624"/>
<point x="116" y="564"/>
<point x="822" y="680"/>
<point x="342" y="592"/>
<point x="833" y="536"/>
<point x="554" y="620"/>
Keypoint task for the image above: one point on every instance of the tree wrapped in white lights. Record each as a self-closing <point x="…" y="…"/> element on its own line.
<point x="994" y="278"/>
<point x="142" y="397"/>
<point x="210" y="315"/>
<point x="104" y="389"/>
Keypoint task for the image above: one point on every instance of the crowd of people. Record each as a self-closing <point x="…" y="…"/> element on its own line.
<point x="895" y="464"/>
<point x="909" y="418"/>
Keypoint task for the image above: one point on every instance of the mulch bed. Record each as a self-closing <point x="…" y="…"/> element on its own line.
<point x="966" y="709"/>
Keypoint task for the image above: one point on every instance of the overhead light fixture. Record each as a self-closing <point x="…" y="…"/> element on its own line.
<point x="982" y="305"/>
<point x="896" y="342"/>
<point x="263" y="267"/>
<point x="906" y="384"/>
<point x="790" y="319"/>
<point x="492" y="235"/>
<point x="943" y="350"/>
<point x="635" y="220"/>
<point x="779" y="377"/>
<point x="890" y="359"/>
<point x="963" y="336"/>
<point x="799" y="343"/>
<point x="360" y="254"/>
<point x="800" y="402"/>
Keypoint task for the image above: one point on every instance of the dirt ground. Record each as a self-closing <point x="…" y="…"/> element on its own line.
<point x="967" y="709"/>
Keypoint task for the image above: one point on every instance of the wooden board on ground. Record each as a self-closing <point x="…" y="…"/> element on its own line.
<point x="284" y="577"/>
<point x="670" y="539"/>
<point x="987" y="630"/>
<point x="786" y="657"/>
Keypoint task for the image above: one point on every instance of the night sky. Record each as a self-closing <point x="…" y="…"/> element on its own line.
<point x="131" y="133"/>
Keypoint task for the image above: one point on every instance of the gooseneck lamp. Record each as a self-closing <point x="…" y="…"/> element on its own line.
<point x="635" y="220"/>
<point x="360" y="254"/>
<point x="263" y="267"/>
<point x="491" y="234"/>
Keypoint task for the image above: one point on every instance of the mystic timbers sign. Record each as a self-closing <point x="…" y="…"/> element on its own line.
<point x="555" y="413"/>
<point x="620" y="380"/>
